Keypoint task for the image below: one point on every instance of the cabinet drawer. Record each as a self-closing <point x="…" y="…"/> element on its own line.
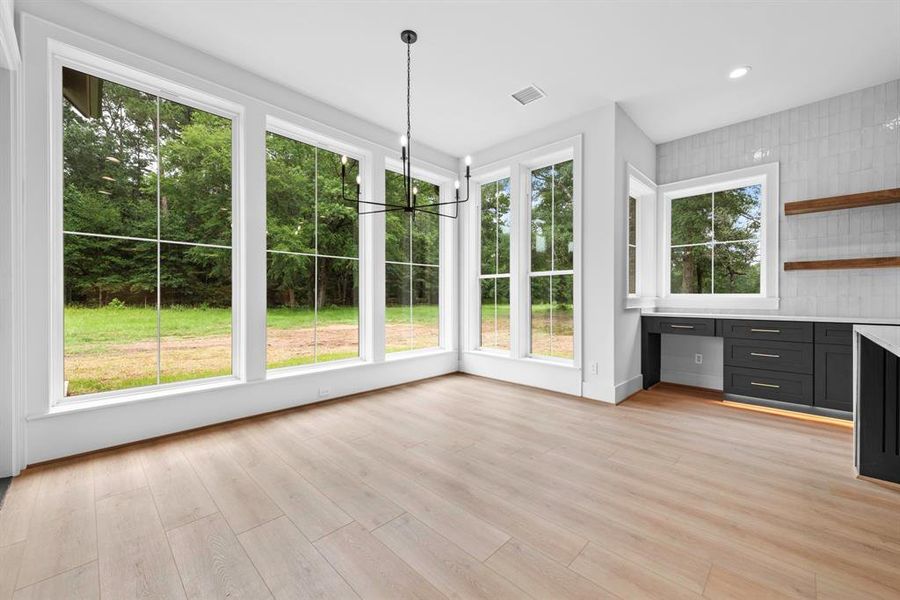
<point x="834" y="376"/>
<point x="793" y="357"/>
<point x="785" y="331"/>
<point x="834" y="333"/>
<point x="681" y="325"/>
<point x="796" y="388"/>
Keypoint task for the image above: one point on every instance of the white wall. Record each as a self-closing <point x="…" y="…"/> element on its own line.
<point x="635" y="148"/>
<point x="841" y="145"/>
<point x="66" y="431"/>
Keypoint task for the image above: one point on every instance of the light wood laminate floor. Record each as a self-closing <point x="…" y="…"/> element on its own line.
<point x="463" y="487"/>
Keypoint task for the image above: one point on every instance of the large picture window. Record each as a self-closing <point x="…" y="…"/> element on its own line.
<point x="313" y="255"/>
<point x="552" y="261"/>
<point x="494" y="275"/>
<point x="147" y="209"/>
<point x="412" y="270"/>
<point x="719" y="242"/>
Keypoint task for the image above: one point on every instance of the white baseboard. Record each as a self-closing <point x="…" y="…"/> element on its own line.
<point x="546" y="375"/>
<point x="599" y="392"/>
<point x="629" y="387"/>
<point x="713" y="382"/>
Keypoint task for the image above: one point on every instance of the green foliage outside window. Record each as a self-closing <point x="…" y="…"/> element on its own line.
<point x="715" y="242"/>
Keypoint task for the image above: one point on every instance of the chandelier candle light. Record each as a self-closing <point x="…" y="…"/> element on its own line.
<point x="410" y="191"/>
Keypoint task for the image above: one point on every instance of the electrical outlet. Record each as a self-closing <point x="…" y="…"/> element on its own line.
<point x="698" y="359"/>
<point x="595" y="368"/>
<point x="324" y="392"/>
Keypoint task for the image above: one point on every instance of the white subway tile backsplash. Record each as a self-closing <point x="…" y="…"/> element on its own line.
<point x="841" y="145"/>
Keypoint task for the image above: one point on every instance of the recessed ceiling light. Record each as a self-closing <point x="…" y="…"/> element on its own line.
<point x="739" y="72"/>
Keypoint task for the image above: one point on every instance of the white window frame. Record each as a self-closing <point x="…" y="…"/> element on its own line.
<point x="644" y="191"/>
<point x="518" y="168"/>
<point x="63" y="55"/>
<point x="539" y="162"/>
<point x="444" y="180"/>
<point x="481" y="180"/>
<point x="307" y="136"/>
<point x="767" y="177"/>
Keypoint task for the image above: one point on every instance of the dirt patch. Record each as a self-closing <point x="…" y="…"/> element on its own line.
<point x="134" y="364"/>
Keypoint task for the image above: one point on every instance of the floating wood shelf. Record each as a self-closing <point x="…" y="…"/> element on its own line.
<point x="880" y="262"/>
<point x="839" y="202"/>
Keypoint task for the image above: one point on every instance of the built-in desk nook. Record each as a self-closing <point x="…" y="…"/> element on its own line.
<point x="796" y="363"/>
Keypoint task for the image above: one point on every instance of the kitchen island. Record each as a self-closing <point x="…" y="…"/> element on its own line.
<point x="876" y="401"/>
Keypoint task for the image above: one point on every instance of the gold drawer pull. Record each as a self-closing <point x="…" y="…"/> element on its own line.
<point x="681" y="326"/>
<point x="764" y="355"/>
<point x="766" y="385"/>
<point x="755" y="330"/>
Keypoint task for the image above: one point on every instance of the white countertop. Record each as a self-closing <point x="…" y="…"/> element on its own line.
<point x="886" y="336"/>
<point x="768" y="316"/>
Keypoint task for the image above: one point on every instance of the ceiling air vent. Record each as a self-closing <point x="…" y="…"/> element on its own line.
<point x="528" y="95"/>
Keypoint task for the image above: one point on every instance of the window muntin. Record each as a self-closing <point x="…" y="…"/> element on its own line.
<point x="312" y="251"/>
<point x="147" y="290"/>
<point x="552" y="261"/>
<point x="494" y="276"/>
<point x="412" y="270"/>
<point x="715" y="241"/>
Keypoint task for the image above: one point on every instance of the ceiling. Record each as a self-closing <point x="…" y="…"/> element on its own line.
<point x="664" y="62"/>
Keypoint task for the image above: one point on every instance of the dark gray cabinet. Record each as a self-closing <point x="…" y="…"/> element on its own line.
<point x="793" y="357"/>
<point x="795" y="388"/>
<point x="834" y="376"/>
<point x="784" y="331"/>
<point x="879" y="412"/>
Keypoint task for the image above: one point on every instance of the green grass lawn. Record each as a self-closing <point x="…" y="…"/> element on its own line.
<point x="88" y="329"/>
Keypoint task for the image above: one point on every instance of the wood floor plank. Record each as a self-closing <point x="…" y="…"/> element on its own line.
<point x="212" y="562"/>
<point x="117" y="471"/>
<point x="18" y="506"/>
<point x="290" y="565"/>
<point x="555" y="541"/>
<point x="135" y="560"/>
<point x="371" y="568"/>
<point x="10" y="562"/>
<point x="81" y="583"/>
<point x="446" y="566"/>
<point x="474" y="535"/>
<point x="177" y="490"/>
<point x="540" y="576"/>
<point x="310" y="510"/>
<point x="625" y="578"/>
<point x="62" y="533"/>
<point x="353" y="495"/>
<point x="240" y="500"/>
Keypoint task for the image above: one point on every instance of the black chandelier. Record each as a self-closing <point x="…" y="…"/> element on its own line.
<point x="410" y="191"/>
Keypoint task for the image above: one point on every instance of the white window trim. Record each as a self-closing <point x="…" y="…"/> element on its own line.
<point x="63" y="55"/>
<point x="518" y="168"/>
<point x="444" y="179"/>
<point x="310" y="137"/>
<point x="644" y="191"/>
<point x="768" y="177"/>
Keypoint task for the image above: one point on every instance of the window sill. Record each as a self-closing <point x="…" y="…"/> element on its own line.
<point x="97" y="401"/>
<point x="407" y="354"/>
<point x="640" y="302"/>
<point x="718" y="302"/>
<point x="331" y="365"/>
